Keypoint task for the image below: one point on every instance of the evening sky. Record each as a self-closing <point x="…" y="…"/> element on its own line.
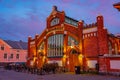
<point x="22" y="18"/>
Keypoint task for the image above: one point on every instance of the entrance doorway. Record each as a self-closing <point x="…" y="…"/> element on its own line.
<point x="73" y="60"/>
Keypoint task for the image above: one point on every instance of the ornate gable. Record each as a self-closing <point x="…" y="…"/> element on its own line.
<point x="55" y="18"/>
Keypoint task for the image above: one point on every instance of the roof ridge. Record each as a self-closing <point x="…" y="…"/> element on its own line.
<point x="17" y="44"/>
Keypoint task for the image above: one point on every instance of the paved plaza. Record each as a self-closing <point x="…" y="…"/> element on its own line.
<point x="13" y="75"/>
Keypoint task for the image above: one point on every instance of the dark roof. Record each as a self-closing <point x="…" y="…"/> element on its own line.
<point x="71" y="18"/>
<point x="114" y="36"/>
<point x="17" y="44"/>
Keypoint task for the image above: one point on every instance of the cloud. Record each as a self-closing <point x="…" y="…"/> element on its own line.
<point x="19" y="27"/>
<point x="21" y="18"/>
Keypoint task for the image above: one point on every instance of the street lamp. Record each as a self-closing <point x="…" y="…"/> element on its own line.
<point x="71" y="46"/>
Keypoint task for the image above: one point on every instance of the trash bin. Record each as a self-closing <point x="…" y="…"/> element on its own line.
<point x="97" y="66"/>
<point x="77" y="69"/>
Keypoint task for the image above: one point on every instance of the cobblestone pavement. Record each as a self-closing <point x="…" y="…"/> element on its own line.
<point x="12" y="75"/>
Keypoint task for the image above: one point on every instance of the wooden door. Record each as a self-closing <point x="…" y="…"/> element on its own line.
<point x="73" y="61"/>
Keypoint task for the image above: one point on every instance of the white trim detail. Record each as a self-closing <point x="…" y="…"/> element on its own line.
<point x="90" y="30"/>
<point x="92" y="63"/>
<point x="33" y="42"/>
<point x="115" y="64"/>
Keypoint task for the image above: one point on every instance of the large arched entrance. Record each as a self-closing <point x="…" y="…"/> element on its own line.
<point x="73" y="59"/>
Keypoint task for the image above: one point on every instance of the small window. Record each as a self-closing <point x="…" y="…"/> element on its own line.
<point x="94" y="34"/>
<point x="18" y="51"/>
<point x="5" y="56"/>
<point x="2" y="47"/>
<point x="88" y="35"/>
<point x="91" y="34"/>
<point x="83" y="36"/>
<point x="11" y="56"/>
<point x="17" y="56"/>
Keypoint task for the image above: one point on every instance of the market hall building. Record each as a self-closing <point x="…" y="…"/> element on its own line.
<point x="71" y="43"/>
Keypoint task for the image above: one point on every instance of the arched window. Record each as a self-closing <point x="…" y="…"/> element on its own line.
<point x="55" y="45"/>
<point x="72" y="41"/>
<point x="55" y="21"/>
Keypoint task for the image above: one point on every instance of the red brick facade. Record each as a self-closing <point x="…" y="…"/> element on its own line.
<point x="83" y="45"/>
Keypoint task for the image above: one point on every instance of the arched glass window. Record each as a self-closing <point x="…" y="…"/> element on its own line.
<point x="55" y="21"/>
<point x="55" y="45"/>
<point x="72" y="41"/>
<point x="71" y="21"/>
